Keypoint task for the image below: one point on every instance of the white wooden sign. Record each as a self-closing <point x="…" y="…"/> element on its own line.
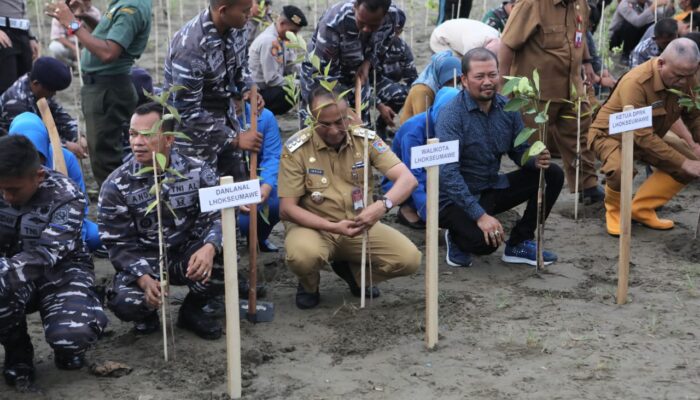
<point x="231" y="195"/>
<point x="630" y="120"/>
<point x="431" y="155"/>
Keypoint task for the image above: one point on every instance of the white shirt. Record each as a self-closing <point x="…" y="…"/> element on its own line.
<point x="461" y="35"/>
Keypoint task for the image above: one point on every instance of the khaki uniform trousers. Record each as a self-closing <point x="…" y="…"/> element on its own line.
<point x="563" y="130"/>
<point x="308" y="251"/>
<point x="609" y="151"/>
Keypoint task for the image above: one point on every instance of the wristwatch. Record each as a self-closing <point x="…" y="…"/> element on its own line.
<point x="388" y="204"/>
<point x="73" y="26"/>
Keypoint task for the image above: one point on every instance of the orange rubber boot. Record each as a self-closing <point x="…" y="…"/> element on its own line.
<point x="656" y="191"/>
<point x="612" y="211"/>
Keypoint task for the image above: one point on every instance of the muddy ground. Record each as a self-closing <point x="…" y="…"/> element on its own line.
<point x="505" y="332"/>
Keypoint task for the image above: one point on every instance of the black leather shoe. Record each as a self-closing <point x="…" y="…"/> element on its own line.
<point x="306" y="300"/>
<point x="215" y="307"/>
<point x="592" y="195"/>
<point x="244" y="287"/>
<point x="18" y="369"/>
<point x="149" y="325"/>
<point x="192" y="318"/>
<point x="342" y="269"/>
<point x="401" y="219"/>
<point x="68" y="361"/>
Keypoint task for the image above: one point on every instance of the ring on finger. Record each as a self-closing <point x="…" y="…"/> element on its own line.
<point x="498" y="233"/>
<point x="492" y="234"/>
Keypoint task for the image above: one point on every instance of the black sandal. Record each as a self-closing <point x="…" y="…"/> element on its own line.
<point x="419" y="225"/>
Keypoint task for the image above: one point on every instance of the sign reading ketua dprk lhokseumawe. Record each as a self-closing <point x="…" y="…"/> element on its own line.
<point x="231" y="195"/>
<point x="434" y="154"/>
<point x="630" y="120"/>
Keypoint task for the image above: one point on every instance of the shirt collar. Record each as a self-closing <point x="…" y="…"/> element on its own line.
<point x="498" y="101"/>
<point x="658" y="82"/>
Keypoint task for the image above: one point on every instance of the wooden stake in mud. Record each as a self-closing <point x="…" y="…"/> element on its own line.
<point x="233" y="324"/>
<point x="601" y="33"/>
<point x="365" y="235"/>
<point x="578" y="153"/>
<point x="59" y="163"/>
<point x="625" y="213"/>
<point x="253" y="214"/>
<point x="170" y="19"/>
<point x="77" y="57"/>
<point x="161" y="263"/>
<point x="156" y="49"/>
<point x="431" y="253"/>
<point x="656" y="11"/>
<point x="459" y="8"/>
<point x="39" y="25"/>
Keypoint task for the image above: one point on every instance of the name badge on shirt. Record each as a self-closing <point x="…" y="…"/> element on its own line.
<point x="578" y="40"/>
<point x="357" y="202"/>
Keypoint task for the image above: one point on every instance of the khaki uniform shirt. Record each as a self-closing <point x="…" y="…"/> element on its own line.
<point x="309" y="167"/>
<point x="642" y="87"/>
<point x="543" y="34"/>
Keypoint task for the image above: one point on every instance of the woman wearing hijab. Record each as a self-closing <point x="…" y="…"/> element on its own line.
<point x="31" y="126"/>
<point x="441" y="72"/>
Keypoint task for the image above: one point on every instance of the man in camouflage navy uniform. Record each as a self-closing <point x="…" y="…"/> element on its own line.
<point x="352" y="36"/>
<point x="43" y="264"/>
<point x="258" y="16"/>
<point x="130" y="233"/>
<point x="398" y="66"/>
<point x="48" y="76"/>
<point x="498" y="17"/>
<point x="208" y="57"/>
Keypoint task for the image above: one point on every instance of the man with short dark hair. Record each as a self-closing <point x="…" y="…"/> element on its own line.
<point x="260" y="14"/>
<point x="208" y="57"/>
<point x="43" y="264"/>
<point x="631" y="19"/>
<point x="664" y="32"/>
<point x="109" y="51"/>
<point x="48" y="76"/>
<point x="472" y="191"/>
<point x="192" y="239"/>
<point x="498" y="17"/>
<point x="321" y="201"/>
<point x="352" y="36"/>
<point x="271" y="59"/>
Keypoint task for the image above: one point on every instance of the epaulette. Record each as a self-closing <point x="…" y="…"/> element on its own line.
<point x="361" y="132"/>
<point x="298" y="139"/>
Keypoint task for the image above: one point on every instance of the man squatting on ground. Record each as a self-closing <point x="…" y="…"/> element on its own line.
<point x="320" y="187"/>
<point x="676" y="166"/>
<point x="44" y="265"/>
<point x="473" y="191"/>
<point x="192" y="238"/>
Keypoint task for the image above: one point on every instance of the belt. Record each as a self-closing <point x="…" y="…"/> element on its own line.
<point x="14" y="23"/>
<point x="91" y="79"/>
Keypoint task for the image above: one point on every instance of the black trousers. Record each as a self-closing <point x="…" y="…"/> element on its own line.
<point x="449" y="8"/>
<point x="275" y="101"/>
<point x="15" y="61"/>
<point x="628" y="36"/>
<point x="523" y="188"/>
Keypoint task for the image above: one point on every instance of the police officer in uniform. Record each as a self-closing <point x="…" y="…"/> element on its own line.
<point x="320" y="188"/>
<point x="271" y="59"/>
<point x="130" y="233"/>
<point x="208" y="57"/>
<point x="353" y="36"/>
<point x="48" y="76"/>
<point x="43" y="264"/>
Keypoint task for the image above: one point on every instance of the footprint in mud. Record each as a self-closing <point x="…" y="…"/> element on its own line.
<point x="681" y="247"/>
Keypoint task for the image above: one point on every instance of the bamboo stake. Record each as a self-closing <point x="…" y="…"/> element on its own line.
<point x="156" y="19"/>
<point x="365" y="235"/>
<point x="578" y="153"/>
<point x="656" y="11"/>
<point x="601" y="33"/>
<point x="627" y="167"/>
<point x="454" y="79"/>
<point x="59" y="162"/>
<point x="459" y="8"/>
<point x="374" y="99"/>
<point x="431" y="251"/>
<point x="170" y="22"/>
<point x="161" y="262"/>
<point x="39" y="27"/>
<point x="541" y="210"/>
<point x="182" y="12"/>
<point x="253" y="214"/>
<point x="233" y="324"/>
<point x="77" y="57"/>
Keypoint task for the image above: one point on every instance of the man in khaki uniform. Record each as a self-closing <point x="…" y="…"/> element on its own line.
<point x="321" y="179"/>
<point x="550" y="36"/>
<point x="647" y="85"/>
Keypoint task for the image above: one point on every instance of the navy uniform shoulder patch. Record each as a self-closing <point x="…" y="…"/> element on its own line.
<point x="362" y="132"/>
<point x="298" y="139"/>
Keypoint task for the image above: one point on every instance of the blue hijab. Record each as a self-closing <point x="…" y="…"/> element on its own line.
<point x="442" y="63"/>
